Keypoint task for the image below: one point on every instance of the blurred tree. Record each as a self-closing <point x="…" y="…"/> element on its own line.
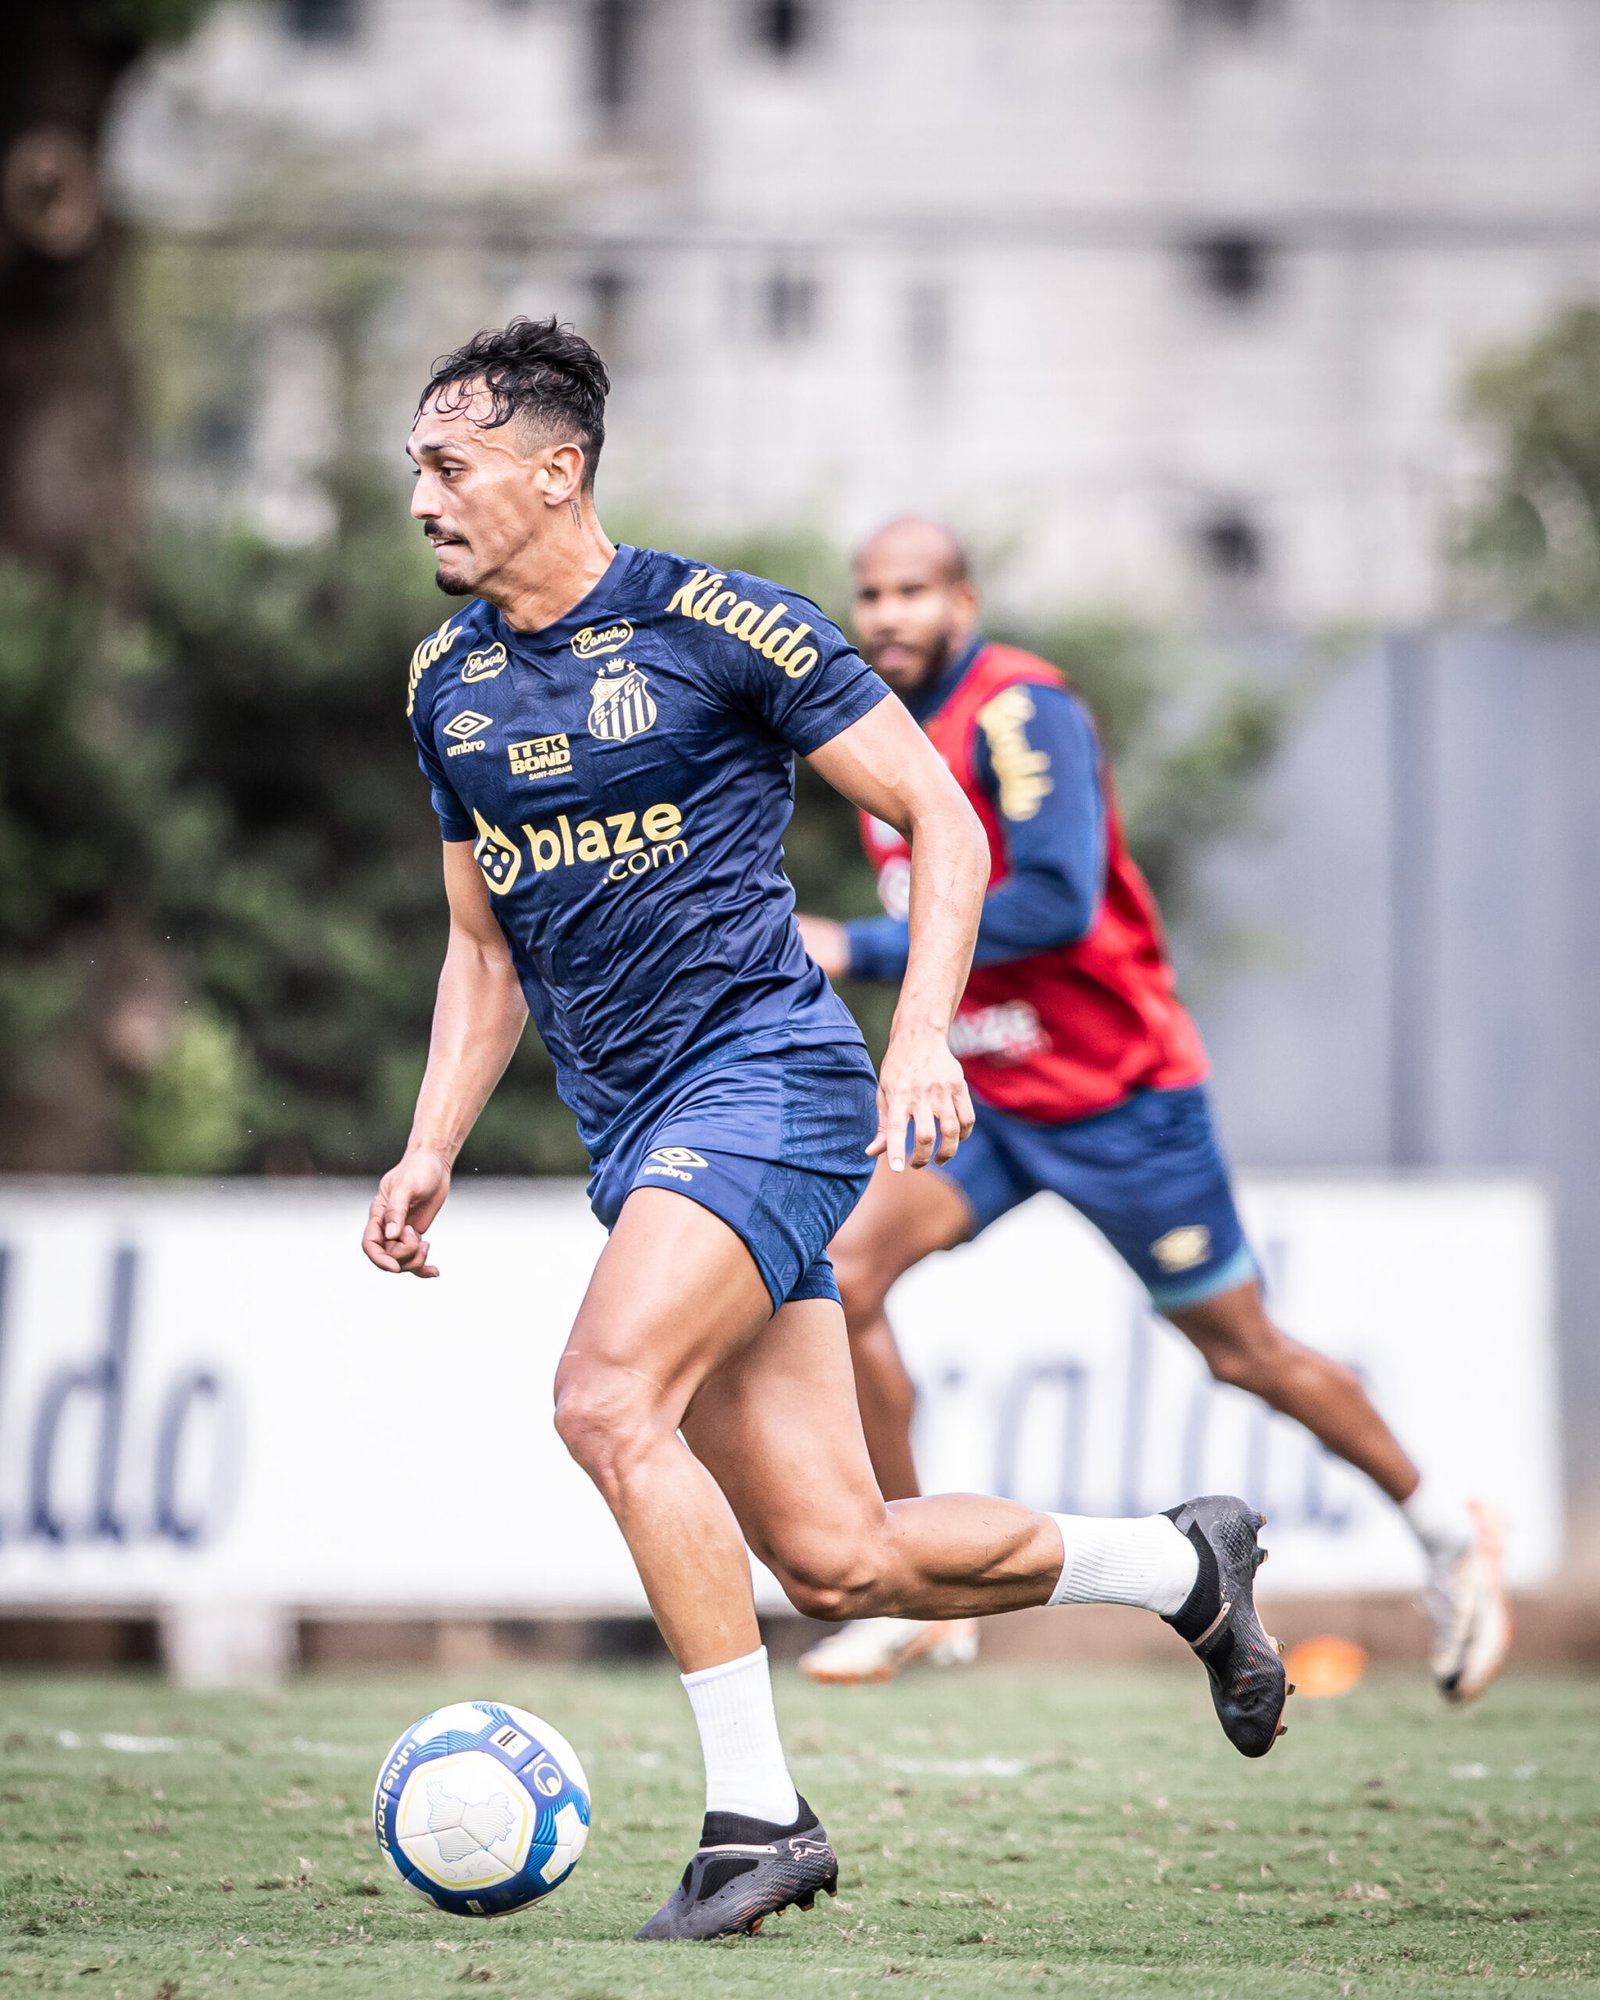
<point x="67" y="503"/>
<point x="78" y="835"/>
<point x="220" y="909"/>
<point x="1530" y="548"/>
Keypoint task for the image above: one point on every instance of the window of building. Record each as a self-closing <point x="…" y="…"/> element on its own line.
<point x="615" y="26"/>
<point x="322" y="20"/>
<point x="608" y="300"/>
<point x="1231" y="545"/>
<point x="783" y="26"/>
<point x="789" y="305"/>
<point x="1233" y="264"/>
<point x="1240" y="14"/>
<point x="927" y="327"/>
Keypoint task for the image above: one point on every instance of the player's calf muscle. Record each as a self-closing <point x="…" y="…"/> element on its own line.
<point x="957" y="1555"/>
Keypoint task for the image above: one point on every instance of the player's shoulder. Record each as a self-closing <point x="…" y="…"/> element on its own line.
<point x="1000" y="666"/>
<point x="1025" y="711"/>
<point x="464" y="632"/>
<point x="782" y="625"/>
<point x="1009" y="685"/>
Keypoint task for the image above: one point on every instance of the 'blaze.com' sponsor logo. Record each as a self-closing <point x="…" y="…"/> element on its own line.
<point x="629" y="843"/>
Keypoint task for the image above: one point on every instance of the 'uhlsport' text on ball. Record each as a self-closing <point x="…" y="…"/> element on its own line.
<point x="481" y="1808"/>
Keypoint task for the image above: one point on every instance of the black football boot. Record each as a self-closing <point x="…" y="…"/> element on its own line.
<point x="743" y="1871"/>
<point x="1249" y="1687"/>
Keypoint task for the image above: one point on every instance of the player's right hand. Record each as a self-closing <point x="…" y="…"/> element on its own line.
<point x="409" y="1196"/>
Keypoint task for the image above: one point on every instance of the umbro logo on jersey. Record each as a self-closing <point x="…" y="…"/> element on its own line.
<point x="673" y="1163"/>
<point x="621" y="705"/>
<point x="484" y="664"/>
<point x="468" y="723"/>
<point x="594" y="640"/>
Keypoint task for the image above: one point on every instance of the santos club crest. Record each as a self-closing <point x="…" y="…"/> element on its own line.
<point x="622" y="705"/>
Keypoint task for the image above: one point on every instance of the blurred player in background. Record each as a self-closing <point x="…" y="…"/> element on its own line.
<point x="1088" y="1079"/>
<point x="610" y="736"/>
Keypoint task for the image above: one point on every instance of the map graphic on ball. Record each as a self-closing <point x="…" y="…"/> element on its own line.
<point x="481" y="1808"/>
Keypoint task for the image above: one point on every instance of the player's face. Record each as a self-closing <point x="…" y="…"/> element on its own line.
<point x="911" y="617"/>
<point x="481" y="493"/>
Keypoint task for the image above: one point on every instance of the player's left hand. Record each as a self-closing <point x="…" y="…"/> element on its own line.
<point x="827" y="943"/>
<point x="921" y="1086"/>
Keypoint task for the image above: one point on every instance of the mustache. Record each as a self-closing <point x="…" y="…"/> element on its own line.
<point x="431" y="527"/>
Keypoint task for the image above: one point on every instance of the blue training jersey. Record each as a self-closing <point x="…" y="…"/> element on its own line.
<point x="625" y="776"/>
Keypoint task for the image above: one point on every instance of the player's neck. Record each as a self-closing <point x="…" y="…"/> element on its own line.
<point x="548" y="578"/>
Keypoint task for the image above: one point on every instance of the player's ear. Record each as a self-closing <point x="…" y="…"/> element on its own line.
<point x="561" y="473"/>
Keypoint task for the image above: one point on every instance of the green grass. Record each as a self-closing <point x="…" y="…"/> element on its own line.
<point x="1000" y="1833"/>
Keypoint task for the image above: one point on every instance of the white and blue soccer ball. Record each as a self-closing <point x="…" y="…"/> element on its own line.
<point x="481" y="1808"/>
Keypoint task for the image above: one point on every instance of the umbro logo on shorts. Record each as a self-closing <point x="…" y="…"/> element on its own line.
<point x="1183" y="1248"/>
<point x="673" y="1163"/>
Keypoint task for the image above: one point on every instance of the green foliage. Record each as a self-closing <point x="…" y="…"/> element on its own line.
<point x="1530" y="548"/>
<point x="82" y="772"/>
<point x="312" y="901"/>
<point x="136" y="24"/>
<point x="219" y="871"/>
<point x="189" y="1113"/>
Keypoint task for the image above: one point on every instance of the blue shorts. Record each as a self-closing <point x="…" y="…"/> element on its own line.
<point x="773" y="1144"/>
<point x="1148" y="1174"/>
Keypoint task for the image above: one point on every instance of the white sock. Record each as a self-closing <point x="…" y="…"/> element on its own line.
<point x="1440" y="1520"/>
<point x="745" y="1768"/>
<point x="1144" y="1562"/>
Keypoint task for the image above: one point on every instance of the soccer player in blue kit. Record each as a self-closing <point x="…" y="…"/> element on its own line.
<point x="609" y="734"/>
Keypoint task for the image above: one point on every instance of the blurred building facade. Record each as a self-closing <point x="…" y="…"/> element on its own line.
<point x="1165" y="302"/>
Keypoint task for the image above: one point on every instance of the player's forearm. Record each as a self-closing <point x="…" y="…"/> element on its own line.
<point x="1037" y="910"/>
<point x="949" y="873"/>
<point x="478" y="1018"/>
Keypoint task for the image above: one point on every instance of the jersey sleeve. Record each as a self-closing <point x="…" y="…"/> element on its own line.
<point x="455" y="822"/>
<point x="783" y="660"/>
<point x="1038" y="758"/>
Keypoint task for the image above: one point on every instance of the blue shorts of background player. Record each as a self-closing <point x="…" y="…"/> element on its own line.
<point x="1149" y="1174"/>
<point x="775" y="1145"/>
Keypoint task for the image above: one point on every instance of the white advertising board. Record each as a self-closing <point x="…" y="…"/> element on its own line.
<point x="208" y="1396"/>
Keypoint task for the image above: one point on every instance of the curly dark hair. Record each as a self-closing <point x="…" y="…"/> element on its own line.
<point x="536" y="369"/>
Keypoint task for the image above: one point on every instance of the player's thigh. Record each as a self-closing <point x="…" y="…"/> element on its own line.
<point x="675" y="1292"/>
<point x="778" y="1429"/>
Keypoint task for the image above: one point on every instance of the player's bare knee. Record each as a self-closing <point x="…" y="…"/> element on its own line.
<point x="1250" y="1360"/>
<point x="863" y="1285"/>
<point x="605" y="1421"/>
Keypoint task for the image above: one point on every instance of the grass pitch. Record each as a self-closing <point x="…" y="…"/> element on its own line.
<point x="999" y="1833"/>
